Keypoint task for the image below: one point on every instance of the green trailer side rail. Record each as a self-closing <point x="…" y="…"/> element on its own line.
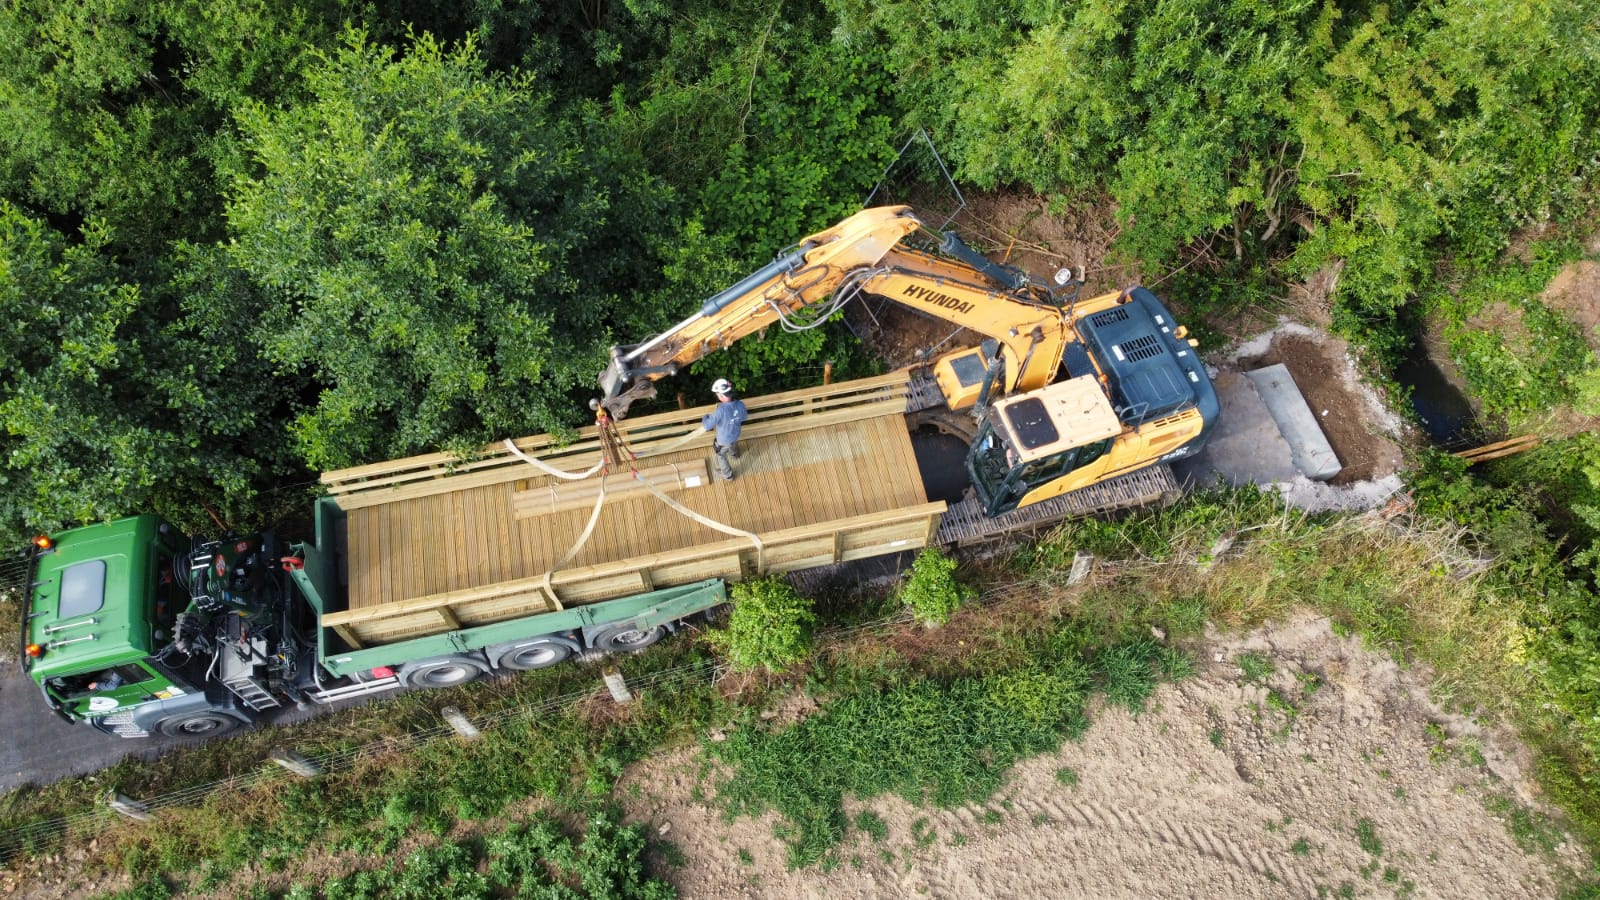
<point x="316" y="578"/>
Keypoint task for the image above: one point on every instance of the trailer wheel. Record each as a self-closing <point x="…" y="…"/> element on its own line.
<point x="626" y="638"/>
<point x="535" y="654"/>
<point x="204" y="723"/>
<point x="441" y="671"/>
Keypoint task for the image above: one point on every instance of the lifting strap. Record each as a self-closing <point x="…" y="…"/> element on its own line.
<point x="594" y="516"/>
<point x="549" y="469"/>
<point x="761" y="549"/>
<point x="615" y="452"/>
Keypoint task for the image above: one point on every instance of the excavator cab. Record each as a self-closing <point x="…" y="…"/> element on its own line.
<point x="1030" y="440"/>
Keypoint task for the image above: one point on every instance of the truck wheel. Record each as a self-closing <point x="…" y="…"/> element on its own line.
<point x="206" y="723"/>
<point x="626" y="638"/>
<point x="441" y="671"/>
<point x="535" y="654"/>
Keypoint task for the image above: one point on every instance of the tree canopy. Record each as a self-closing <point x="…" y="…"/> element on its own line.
<point x="246" y="241"/>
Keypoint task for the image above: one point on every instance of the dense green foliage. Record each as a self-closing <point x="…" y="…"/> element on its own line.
<point x="936" y="716"/>
<point x="929" y="741"/>
<point x="318" y="236"/>
<point x="424" y="225"/>
<point x="1392" y="136"/>
<point x="536" y="859"/>
<point x="771" y="627"/>
<point x="932" y="592"/>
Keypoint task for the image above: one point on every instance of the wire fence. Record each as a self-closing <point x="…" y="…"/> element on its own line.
<point x="14" y="577"/>
<point x="19" y="840"/>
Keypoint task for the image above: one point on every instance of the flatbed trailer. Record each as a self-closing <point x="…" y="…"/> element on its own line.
<point x="431" y="545"/>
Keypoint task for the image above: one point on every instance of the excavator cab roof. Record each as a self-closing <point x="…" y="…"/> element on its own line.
<point x="1056" y="418"/>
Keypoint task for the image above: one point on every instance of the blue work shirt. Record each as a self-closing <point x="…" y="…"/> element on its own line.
<point x="726" y="420"/>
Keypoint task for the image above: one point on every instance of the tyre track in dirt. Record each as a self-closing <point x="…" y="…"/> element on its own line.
<point x="1211" y="791"/>
<point x="1165" y="831"/>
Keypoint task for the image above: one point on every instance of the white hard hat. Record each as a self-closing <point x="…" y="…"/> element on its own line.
<point x="722" y="386"/>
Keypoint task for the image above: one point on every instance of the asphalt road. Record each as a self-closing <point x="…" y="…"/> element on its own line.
<point x="39" y="748"/>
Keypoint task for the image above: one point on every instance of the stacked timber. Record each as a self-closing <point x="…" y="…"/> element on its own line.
<point x="438" y="543"/>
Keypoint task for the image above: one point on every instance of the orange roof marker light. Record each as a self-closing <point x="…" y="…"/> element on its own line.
<point x="34" y="651"/>
<point x="44" y="542"/>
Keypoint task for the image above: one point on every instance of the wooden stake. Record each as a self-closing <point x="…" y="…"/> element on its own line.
<point x="128" y="807"/>
<point x="295" y="763"/>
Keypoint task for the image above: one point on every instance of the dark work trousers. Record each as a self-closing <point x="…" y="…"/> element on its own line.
<point x="724" y="457"/>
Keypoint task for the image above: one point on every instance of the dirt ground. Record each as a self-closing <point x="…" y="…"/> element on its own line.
<point x="1357" y="787"/>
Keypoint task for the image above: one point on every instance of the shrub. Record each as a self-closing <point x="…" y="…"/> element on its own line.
<point x="771" y="627"/>
<point x="933" y="594"/>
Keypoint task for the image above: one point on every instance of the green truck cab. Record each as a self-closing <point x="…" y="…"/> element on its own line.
<point x="99" y="623"/>
<point x="136" y="629"/>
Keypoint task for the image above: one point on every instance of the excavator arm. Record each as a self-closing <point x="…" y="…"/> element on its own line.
<point x="861" y="253"/>
<point x="803" y="277"/>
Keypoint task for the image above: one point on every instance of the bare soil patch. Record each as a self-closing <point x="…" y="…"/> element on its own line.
<point x="1575" y="292"/>
<point x="1360" y="783"/>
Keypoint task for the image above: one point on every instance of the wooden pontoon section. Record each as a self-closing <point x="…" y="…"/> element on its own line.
<point x="434" y="544"/>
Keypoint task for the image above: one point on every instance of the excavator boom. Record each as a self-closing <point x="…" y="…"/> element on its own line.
<point x="800" y="278"/>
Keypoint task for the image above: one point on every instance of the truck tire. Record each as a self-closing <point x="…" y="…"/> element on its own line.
<point x="205" y="723"/>
<point x="625" y="638"/>
<point x="535" y="653"/>
<point x="442" y="671"/>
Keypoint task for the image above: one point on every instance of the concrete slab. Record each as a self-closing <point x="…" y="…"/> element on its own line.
<point x="1308" y="446"/>
<point x="1245" y="446"/>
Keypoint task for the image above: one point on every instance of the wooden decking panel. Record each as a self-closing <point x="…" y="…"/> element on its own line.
<point x="470" y="538"/>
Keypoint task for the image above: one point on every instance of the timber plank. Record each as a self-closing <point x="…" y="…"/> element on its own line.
<point x="508" y="556"/>
<point x="887" y="461"/>
<point x="905" y="459"/>
<point x="769" y="461"/>
<point x="401" y="559"/>
<point x="833" y="452"/>
<point x="798" y="484"/>
<point x="447" y="560"/>
<point x="875" y="450"/>
<point x="374" y="567"/>
<point x="913" y="489"/>
<point x="462" y="574"/>
<point x="637" y="432"/>
<point x="434" y="474"/>
<point x="357" y="553"/>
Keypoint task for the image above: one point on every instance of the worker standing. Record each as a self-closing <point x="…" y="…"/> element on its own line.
<point x="726" y="420"/>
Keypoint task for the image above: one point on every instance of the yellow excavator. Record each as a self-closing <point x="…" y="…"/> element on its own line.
<point x="1066" y="393"/>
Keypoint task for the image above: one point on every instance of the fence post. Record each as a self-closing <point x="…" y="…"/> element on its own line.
<point x="1082" y="564"/>
<point x="459" y="722"/>
<point x="295" y="763"/>
<point x="619" y="687"/>
<point x="128" y="807"/>
<point x="827" y="373"/>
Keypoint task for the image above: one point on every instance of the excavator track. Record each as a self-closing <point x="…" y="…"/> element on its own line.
<point x="964" y="523"/>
